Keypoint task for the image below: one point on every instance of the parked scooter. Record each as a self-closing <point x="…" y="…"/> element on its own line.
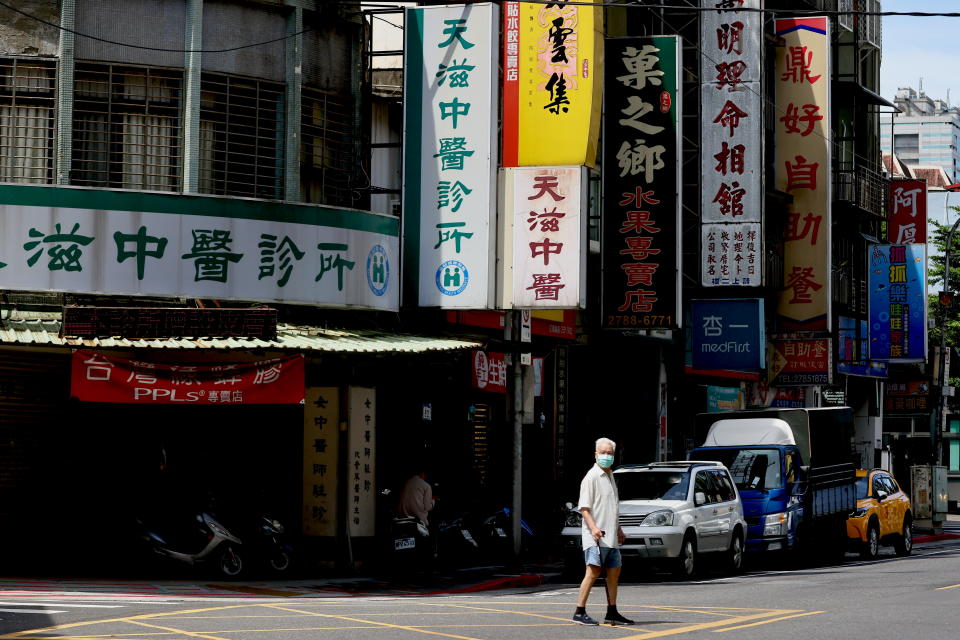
<point x="269" y="546"/>
<point x="204" y="543"/>
<point x="495" y="539"/>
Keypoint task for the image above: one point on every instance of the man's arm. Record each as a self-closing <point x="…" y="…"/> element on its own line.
<point x="591" y="523"/>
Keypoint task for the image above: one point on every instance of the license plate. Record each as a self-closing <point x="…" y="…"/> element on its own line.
<point x="404" y="543"/>
<point x="501" y="532"/>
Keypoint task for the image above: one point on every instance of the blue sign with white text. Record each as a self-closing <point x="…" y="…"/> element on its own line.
<point x="728" y="334"/>
<point x="898" y="302"/>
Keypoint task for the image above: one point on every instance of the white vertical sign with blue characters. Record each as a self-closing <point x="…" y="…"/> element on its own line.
<point x="728" y="334"/>
<point x="451" y="100"/>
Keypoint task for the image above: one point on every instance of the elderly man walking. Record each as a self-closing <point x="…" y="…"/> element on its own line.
<point x="602" y="535"/>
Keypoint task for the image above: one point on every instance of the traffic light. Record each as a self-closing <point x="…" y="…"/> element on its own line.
<point x="946" y="299"/>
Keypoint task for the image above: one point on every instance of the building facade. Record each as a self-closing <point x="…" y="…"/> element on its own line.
<point x="926" y="133"/>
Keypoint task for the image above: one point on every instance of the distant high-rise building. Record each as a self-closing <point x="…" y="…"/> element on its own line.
<point x="925" y="134"/>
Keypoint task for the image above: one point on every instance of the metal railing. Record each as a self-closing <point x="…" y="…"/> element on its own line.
<point x="869" y="28"/>
<point x="26" y="120"/>
<point x="861" y="187"/>
<point x="328" y="168"/>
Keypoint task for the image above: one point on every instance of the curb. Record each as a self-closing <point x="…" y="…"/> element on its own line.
<point x="506" y="582"/>
<point x="936" y="537"/>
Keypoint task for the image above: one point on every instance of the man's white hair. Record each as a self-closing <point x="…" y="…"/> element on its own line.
<point x="603" y="441"/>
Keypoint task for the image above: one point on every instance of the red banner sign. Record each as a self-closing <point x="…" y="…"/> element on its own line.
<point x="489" y="371"/>
<point x="908" y="212"/>
<point x="99" y="378"/>
<point x="800" y="361"/>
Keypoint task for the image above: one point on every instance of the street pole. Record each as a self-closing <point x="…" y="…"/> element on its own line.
<point x="942" y="378"/>
<point x="517" y="438"/>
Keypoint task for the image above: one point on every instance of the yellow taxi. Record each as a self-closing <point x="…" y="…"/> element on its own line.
<point x="882" y="517"/>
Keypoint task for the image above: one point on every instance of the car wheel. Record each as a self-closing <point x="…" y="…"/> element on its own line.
<point x="904" y="544"/>
<point x="735" y="553"/>
<point x="871" y="548"/>
<point x="686" y="561"/>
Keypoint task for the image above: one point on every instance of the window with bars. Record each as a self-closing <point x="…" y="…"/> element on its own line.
<point x="327" y="159"/>
<point x="241" y="136"/>
<point x="127" y="127"/>
<point x="27" y="120"/>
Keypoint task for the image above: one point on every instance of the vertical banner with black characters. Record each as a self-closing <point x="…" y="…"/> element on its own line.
<point x="321" y="430"/>
<point x="641" y="182"/>
<point x="361" y="458"/>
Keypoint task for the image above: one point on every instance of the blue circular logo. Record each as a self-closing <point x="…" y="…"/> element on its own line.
<point x="378" y="270"/>
<point x="452" y="278"/>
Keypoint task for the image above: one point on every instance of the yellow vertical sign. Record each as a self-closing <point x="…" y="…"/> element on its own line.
<point x="802" y="86"/>
<point x="321" y="430"/>
<point x="553" y="54"/>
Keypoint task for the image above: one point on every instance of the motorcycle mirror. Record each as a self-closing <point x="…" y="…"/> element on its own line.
<point x="569" y="506"/>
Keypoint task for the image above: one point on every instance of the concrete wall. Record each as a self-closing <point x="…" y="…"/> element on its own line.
<point x="150" y="23"/>
<point x="229" y="24"/>
<point x="20" y="35"/>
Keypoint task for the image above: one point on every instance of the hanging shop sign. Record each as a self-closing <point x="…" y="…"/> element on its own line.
<point x="361" y="460"/>
<point x="550" y="323"/>
<point x="139" y="323"/>
<point x="908" y="212"/>
<point x="321" y="431"/>
<point x="450" y="155"/>
<point x="552" y="55"/>
<point x="641" y="182"/>
<point x="545" y="222"/>
<point x="897" y="302"/>
<point x="488" y="372"/>
<point x="852" y="349"/>
<point x="724" y="399"/>
<point x="728" y="334"/>
<point x="803" y="170"/>
<point x="800" y="361"/>
<point x="763" y="395"/>
<point x="129" y="243"/>
<point x="731" y="139"/>
<point x="96" y="377"/>
<point x="907" y="397"/>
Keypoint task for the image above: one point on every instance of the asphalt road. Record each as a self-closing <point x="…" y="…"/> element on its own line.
<point x="913" y="597"/>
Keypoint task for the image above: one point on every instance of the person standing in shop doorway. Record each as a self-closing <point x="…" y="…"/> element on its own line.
<point x="601" y="533"/>
<point x="416" y="497"/>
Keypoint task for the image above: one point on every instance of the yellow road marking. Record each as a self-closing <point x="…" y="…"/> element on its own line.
<point x="756" y="624"/>
<point x="144" y="616"/>
<point x="704" y="625"/>
<point x="260" y="591"/>
<point x="953" y="586"/>
<point x="508" y="611"/>
<point x="192" y="634"/>
<point x="374" y="622"/>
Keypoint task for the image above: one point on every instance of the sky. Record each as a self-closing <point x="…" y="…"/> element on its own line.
<point x="920" y="47"/>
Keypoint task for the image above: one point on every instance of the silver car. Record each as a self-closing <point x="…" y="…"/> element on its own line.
<point x="672" y="511"/>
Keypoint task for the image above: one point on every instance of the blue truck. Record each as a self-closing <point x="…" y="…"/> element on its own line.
<point x="794" y="470"/>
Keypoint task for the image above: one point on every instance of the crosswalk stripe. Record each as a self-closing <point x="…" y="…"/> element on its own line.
<point x="31" y="611"/>
<point x="61" y="604"/>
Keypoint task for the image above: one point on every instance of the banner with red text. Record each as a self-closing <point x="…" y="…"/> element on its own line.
<point x="803" y="132"/>
<point x="96" y="377"/>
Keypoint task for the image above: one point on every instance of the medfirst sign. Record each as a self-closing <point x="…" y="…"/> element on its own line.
<point x="728" y="334"/>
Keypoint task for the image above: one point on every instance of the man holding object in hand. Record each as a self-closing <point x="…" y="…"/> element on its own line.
<point x="602" y="535"/>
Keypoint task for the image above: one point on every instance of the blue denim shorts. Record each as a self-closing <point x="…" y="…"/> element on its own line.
<point x="603" y="557"/>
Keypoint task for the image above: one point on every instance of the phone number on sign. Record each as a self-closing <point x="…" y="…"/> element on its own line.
<point x="639" y="321"/>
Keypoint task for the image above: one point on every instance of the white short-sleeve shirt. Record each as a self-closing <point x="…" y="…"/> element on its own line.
<point x="598" y="492"/>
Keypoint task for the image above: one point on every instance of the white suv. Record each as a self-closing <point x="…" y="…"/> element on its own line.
<point x="672" y="511"/>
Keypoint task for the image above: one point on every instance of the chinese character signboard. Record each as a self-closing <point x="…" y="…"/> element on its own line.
<point x="852" y="350"/>
<point x="545" y="221"/>
<point x="165" y="322"/>
<point x="96" y="377"/>
<point x="450" y="155"/>
<point x="898" y="304"/>
<point x="802" y="87"/>
<point x="732" y="254"/>
<point x="113" y="242"/>
<point x="321" y="430"/>
<point x="800" y="361"/>
<point x="361" y="460"/>
<point x="907" y="204"/>
<point x="907" y="397"/>
<point x="551" y="93"/>
<point x="489" y="371"/>
<point x="731" y="139"/>
<point x="641" y="182"/>
<point x="728" y="334"/>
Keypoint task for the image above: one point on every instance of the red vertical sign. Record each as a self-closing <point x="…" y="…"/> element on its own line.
<point x="907" y="207"/>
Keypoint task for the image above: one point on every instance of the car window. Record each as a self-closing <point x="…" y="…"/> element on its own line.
<point x="878" y="485"/>
<point x="751" y="468"/>
<point x="888" y="485"/>
<point x="703" y="485"/>
<point x="652" y="485"/>
<point x="725" y="485"/>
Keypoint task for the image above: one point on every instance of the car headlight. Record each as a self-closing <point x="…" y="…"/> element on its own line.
<point x="775" y="524"/>
<point x="658" y="519"/>
<point x="859" y="512"/>
<point x="573" y="519"/>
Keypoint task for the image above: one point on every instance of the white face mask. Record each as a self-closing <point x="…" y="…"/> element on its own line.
<point x="605" y="460"/>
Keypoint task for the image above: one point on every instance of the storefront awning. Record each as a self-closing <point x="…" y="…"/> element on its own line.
<point x="43" y="329"/>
